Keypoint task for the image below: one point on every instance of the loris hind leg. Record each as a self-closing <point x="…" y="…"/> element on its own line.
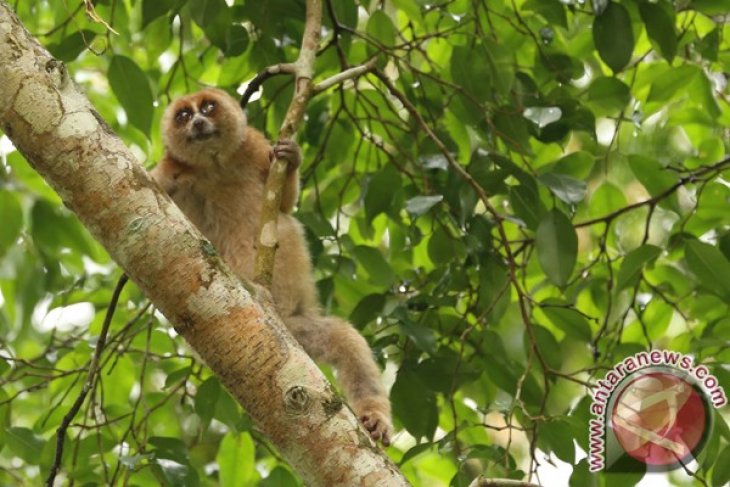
<point x="335" y="341"/>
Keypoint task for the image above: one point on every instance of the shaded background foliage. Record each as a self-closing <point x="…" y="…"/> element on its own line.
<point x="589" y="221"/>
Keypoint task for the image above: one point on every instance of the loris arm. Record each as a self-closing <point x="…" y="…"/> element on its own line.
<point x="289" y="150"/>
<point x="164" y="174"/>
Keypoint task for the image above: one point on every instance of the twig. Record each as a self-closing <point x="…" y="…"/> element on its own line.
<point x="343" y="76"/>
<point x="690" y="178"/>
<point x="271" y="71"/>
<point x="90" y="377"/>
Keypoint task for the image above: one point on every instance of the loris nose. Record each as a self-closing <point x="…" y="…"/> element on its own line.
<point x="199" y="124"/>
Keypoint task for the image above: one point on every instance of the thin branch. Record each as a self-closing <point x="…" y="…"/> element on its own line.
<point x="690" y="178"/>
<point x="271" y="71"/>
<point x="343" y="76"/>
<point x="90" y="378"/>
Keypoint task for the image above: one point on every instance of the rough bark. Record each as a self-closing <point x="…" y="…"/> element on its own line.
<point x="57" y="130"/>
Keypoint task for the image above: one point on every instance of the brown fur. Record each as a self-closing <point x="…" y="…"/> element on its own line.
<point x="216" y="172"/>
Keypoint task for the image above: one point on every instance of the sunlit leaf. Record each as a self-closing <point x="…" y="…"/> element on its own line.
<point x="237" y="460"/>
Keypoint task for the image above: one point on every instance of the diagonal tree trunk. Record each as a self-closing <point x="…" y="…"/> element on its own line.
<point x="240" y="338"/>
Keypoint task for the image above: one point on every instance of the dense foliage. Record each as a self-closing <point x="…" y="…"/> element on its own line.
<point x="521" y="194"/>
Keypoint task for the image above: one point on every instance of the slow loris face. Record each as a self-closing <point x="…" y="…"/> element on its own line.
<point x="203" y="128"/>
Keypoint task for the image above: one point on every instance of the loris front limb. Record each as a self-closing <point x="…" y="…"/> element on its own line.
<point x="289" y="150"/>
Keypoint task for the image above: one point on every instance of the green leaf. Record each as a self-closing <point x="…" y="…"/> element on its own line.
<point x="672" y="82"/>
<point x="421" y="204"/>
<point x="527" y="205"/>
<point x="25" y="444"/>
<point x="381" y="28"/>
<point x="176" y="473"/>
<point x="566" y="188"/>
<point x="610" y="94"/>
<point x="11" y="216"/>
<point x="710" y="267"/>
<point x="659" y="21"/>
<point x="711" y="7"/>
<point x="512" y="129"/>
<point x="71" y="46"/>
<point x="132" y="88"/>
<point x="368" y="309"/>
<point x="547" y="345"/>
<point x="557" y="246"/>
<point x="558" y="436"/>
<point x="414" y="404"/>
<point x="53" y="230"/>
<point x="572" y="323"/>
<point x="470" y="72"/>
<point x="176" y="376"/>
<point x="280" y="477"/>
<point x="423" y="336"/>
<point x="380" y="194"/>
<point x="375" y="265"/>
<point x="214" y="17"/>
<point x="236" y="40"/>
<point x="633" y="264"/>
<point x="206" y="399"/>
<point x="613" y="37"/>
<point x="721" y="470"/>
<point x="553" y="12"/>
<point x="237" y="460"/>
<point x="651" y="174"/>
<point x="152" y="9"/>
<point x="170" y="448"/>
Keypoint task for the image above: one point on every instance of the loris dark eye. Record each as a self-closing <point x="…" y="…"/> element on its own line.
<point x="207" y="107"/>
<point x="182" y="116"/>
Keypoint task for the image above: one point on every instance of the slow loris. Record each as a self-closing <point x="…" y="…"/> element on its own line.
<point x="215" y="169"/>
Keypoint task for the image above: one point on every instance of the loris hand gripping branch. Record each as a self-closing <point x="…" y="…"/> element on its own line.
<point x="215" y="169"/>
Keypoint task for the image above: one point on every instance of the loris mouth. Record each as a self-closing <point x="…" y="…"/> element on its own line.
<point x="201" y="136"/>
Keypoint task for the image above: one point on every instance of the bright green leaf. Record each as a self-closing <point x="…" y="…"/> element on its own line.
<point x="237" y="460"/>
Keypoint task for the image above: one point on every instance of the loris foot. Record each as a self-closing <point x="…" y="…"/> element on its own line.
<point x="374" y="414"/>
<point x="288" y="150"/>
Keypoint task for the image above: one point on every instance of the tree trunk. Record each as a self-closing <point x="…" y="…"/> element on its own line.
<point x="57" y="130"/>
